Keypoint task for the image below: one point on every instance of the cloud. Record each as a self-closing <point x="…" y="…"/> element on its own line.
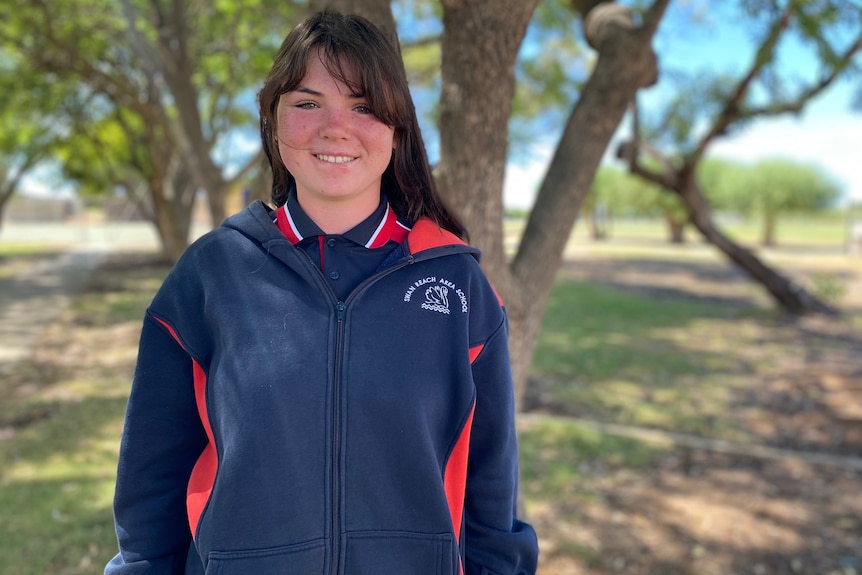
<point x="832" y="143"/>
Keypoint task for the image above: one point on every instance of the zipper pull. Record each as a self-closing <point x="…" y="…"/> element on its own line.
<point x="340" y="307"/>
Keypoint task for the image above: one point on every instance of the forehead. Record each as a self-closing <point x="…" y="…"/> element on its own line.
<point x="340" y="71"/>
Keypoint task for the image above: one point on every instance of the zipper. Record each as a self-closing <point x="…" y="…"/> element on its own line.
<point x="335" y="474"/>
<point x="335" y="480"/>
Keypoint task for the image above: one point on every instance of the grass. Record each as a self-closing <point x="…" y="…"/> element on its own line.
<point x="60" y="424"/>
<point x="604" y="353"/>
<point x="644" y="361"/>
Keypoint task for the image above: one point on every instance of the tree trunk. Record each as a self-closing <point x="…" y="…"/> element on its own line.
<point x="676" y="229"/>
<point x="172" y="193"/>
<point x="172" y="221"/>
<point x="787" y="293"/>
<point x="768" y="239"/>
<point x="626" y="63"/>
<point x="599" y="218"/>
<point x="481" y="39"/>
<point x="178" y="71"/>
<point x="5" y="195"/>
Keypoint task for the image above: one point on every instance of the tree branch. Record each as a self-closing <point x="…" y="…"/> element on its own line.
<point x="653" y="16"/>
<point x="251" y="164"/>
<point x="809" y="93"/>
<point x="733" y="106"/>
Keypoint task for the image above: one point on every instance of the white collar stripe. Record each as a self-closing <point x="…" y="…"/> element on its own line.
<point x="380" y="227"/>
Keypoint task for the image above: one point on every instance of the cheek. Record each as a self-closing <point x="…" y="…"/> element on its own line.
<point x="290" y="136"/>
<point x="383" y="137"/>
<point x="291" y="141"/>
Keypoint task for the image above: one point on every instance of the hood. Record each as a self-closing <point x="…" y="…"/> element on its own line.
<point x="426" y="239"/>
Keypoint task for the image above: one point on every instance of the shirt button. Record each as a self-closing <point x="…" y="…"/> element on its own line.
<point x="334" y="275"/>
<point x="331" y="243"/>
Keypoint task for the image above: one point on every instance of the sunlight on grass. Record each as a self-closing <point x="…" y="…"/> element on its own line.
<point x="556" y="455"/>
<point x="56" y="490"/>
<point x="683" y="364"/>
<point x="626" y="357"/>
<point x="61" y="429"/>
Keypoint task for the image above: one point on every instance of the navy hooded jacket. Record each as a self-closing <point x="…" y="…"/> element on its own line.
<point x="272" y="429"/>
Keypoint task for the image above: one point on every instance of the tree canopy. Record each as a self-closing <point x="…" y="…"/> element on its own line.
<point x="170" y="89"/>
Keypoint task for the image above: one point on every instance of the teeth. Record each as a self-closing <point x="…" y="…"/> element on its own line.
<point x="334" y="159"/>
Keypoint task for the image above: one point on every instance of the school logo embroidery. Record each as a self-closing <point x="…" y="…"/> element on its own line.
<point x="437" y="294"/>
<point x="437" y="299"/>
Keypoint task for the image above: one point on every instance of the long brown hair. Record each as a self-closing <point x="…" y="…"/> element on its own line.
<point x="358" y="54"/>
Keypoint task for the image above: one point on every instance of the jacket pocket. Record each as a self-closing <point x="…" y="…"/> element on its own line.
<point x="303" y="559"/>
<point x="377" y="552"/>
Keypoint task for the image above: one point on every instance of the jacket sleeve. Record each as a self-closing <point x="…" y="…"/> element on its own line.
<point x="161" y="441"/>
<point x="496" y="542"/>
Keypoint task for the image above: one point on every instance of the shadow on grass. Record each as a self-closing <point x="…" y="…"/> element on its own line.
<point x="60" y="426"/>
<point x="728" y="372"/>
<point x="65" y="529"/>
<point x="617" y="356"/>
<point x="618" y="507"/>
<point x="701" y="281"/>
<point x="56" y="487"/>
<point x="701" y="366"/>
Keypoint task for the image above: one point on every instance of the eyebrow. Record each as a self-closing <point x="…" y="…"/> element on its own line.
<point x="306" y="90"/>
<point x="311" y="92"/>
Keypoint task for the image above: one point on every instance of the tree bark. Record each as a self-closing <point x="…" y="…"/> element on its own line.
<point x="173" y="195"/>
<point x="676" y="229"/>
<point x="626" y="63"/>
<point x="787" y="293"/>
<point x="480" y="44"/>
<point x="768" y="239"/>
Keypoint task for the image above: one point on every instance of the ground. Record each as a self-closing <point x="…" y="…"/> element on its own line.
<point x="784" y="501"/>
<point x="787" y="504"/>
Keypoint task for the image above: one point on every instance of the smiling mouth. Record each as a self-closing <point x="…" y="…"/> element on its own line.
<point x="334" y="159"/>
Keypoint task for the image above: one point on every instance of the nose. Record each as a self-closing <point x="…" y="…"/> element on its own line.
<point x="335" y="125"/>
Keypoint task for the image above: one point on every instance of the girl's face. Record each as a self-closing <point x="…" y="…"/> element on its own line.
<point x="330" y="142"/>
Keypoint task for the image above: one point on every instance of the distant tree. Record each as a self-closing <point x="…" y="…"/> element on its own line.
<point x="175" y="76"/>
<point x="615" y="192"/>
<point x="30" y="124"/>
<point x="725" y="183"/>
<point x="120" y="153"/>
<point x="777" y="187"/>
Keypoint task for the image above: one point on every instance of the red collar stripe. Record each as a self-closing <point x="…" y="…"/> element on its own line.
<point x="286" y="225"/>
<point x="389" y="229"/>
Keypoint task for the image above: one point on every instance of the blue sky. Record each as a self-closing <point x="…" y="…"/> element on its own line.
<point x="828" y="134"/>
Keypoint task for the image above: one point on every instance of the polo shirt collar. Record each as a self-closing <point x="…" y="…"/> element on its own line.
<point x="375" y="231"/>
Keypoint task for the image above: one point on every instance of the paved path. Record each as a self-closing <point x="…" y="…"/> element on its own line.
<point x="34" y="298"/>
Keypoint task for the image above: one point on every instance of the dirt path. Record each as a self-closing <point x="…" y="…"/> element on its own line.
<point x="33" y="298"/>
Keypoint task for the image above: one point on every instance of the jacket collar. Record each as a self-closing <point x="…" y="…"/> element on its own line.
<point x="425" y="237"/>
<point x="375" y="231"/>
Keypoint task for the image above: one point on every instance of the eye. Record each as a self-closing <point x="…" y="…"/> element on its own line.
<point x="306" y="105"/>
<point x="362" y="109"/>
